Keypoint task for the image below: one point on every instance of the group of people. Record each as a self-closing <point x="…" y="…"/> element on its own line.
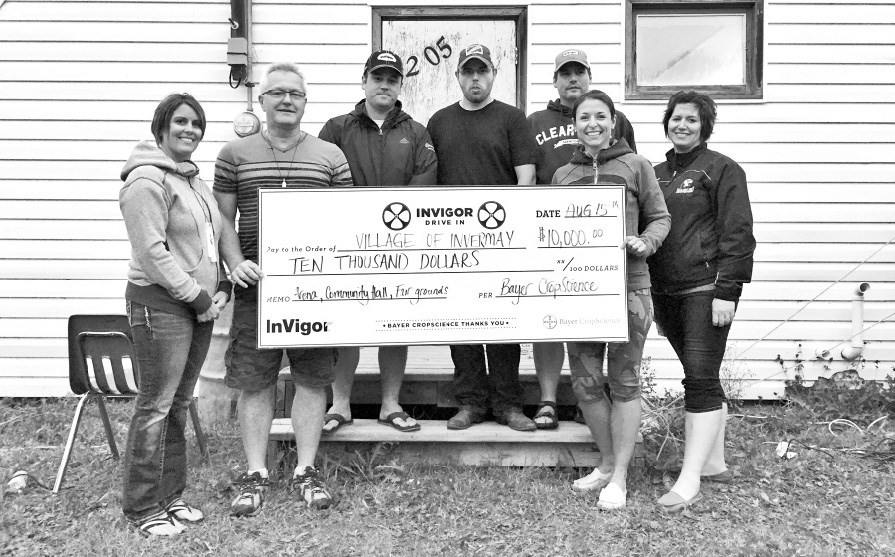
<point x="689" y="251"/>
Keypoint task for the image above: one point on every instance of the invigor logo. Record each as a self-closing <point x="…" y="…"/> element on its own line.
<point x="297" y="326"/>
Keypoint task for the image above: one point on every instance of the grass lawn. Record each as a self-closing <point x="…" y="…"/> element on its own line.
<point x="836" y="501"/>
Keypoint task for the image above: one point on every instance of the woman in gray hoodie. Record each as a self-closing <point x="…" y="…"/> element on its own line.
<point x="602" y="159"/>
<point x="175" y="289"/>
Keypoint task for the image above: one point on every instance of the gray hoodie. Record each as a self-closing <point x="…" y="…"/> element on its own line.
<point x="167" y="209"/>
<point x="646" y="215"/>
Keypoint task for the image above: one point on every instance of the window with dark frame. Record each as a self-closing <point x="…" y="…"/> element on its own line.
<point x="713" y="46"/>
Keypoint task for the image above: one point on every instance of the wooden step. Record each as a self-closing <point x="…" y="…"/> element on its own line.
<point x="486" y="444"/>
<point x="428" y="379"/>
<point x="425" y="359"/>
<point x="428" y="389"/>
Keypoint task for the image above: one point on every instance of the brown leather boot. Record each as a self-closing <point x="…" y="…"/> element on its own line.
<point x="466" y="416"/>
<point x="515" y="419"/>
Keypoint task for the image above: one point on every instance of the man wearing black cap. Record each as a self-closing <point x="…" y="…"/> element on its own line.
<point x="554" y="132"/>
<point x="384" y="147"/>
<point x="482" y="141"/>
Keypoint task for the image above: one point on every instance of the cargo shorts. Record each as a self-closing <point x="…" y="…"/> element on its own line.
<point x="253" y="369"/>
<point x="623" y="368"/>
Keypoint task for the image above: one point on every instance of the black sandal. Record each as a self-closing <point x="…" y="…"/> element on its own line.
<point x="543" y="413"/>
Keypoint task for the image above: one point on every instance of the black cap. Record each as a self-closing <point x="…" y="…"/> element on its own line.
<point x="384" y="59"/>
<point x="477" y="51"/>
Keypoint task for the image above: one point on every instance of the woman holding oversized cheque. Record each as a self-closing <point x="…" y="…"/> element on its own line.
<point x="600" y="159"/>
<point x="175" y="289"/>
<point x="698" y="276"/>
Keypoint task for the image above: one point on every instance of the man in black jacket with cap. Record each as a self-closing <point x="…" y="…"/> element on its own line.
<point x="384" y="147"/>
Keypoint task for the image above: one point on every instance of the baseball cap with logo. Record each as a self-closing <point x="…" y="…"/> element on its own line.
<point x="384" y="59"/>
<point x="476" y="51"/>
<point x="571" y="55"/>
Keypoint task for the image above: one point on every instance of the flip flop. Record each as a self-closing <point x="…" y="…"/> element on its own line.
<point x="340" y="421"/>
<point x="391" y="420"/>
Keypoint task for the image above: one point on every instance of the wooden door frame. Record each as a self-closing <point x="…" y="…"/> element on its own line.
<point x="518" y="14"/>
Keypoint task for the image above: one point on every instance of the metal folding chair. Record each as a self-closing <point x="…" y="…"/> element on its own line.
<point x="102" y="364"/>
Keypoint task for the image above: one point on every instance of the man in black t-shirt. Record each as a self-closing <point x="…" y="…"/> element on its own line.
<point x="482" y="141"/>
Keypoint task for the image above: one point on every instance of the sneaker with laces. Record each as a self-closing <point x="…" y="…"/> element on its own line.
<point x="310" y="488"/>
<point x="159" y="524"/>
<point x="250" y="499"/>
<point x="183" y="512"/>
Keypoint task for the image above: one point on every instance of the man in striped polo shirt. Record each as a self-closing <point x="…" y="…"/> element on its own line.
<point x="281" y="156"/>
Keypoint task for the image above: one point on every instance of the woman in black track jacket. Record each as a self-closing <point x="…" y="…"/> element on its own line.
<point x="697" y="276"/>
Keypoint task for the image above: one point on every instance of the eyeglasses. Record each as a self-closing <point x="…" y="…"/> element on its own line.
<point x="278" y="95"/>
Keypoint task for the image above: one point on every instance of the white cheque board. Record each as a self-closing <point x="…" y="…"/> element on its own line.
<point x="441" y="265"/>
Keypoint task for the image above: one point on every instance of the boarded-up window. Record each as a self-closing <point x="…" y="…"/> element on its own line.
<point x="429" y="41"/>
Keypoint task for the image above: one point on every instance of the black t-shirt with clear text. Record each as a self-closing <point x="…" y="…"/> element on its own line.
<point x="481" y="147"/>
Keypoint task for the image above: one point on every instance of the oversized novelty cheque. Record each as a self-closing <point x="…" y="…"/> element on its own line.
<point x="441" y="265"/>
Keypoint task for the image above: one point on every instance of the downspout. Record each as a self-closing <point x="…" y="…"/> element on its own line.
<point x="856" y="349"/>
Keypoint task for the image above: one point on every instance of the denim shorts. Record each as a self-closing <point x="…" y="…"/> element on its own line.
<point x="586" y="358"/>
<point x="251" y="369"/>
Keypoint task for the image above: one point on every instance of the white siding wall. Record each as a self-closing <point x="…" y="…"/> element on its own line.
<point x="819" y="152"/>
<point x="79" y="81"/>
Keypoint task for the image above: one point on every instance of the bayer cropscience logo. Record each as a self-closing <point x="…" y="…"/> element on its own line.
<point x="396" y="216"/>
<point x="550" y="322"/>
<point x="491" y="215"/>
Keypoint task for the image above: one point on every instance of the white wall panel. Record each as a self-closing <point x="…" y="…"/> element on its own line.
<point x="819" y="150"/>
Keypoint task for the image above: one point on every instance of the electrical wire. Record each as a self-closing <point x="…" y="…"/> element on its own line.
<point x="823" y="450"/>
<point x="843" y="421"/>
<point x="237" y="73"/>
<point x="814" y="299"/>
<point x="881" y="419"/>
<point x="873" y="452"/>
<point x="799" y="363"/>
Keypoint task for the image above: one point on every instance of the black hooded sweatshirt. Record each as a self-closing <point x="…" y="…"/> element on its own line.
<point x="554" y="131"/>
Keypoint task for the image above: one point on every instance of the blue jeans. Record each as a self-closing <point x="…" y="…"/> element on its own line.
<point x="686" y="321"/>
<point x="170" y="350"/>
<point x="473" y="386"/>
